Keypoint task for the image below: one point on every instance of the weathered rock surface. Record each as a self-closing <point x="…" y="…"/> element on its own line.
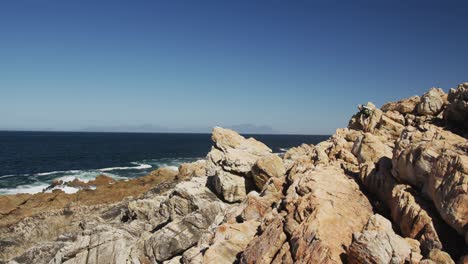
<point x="234" y="153"/>
<point x="180" y="235"/>
<point x="405" y="106"/>
<point x="436" y="162"/>
<point x="231" y="161"/>
<point x="432" y="102"/>
<point x="194" y="169"/>
<point x="267" y="167"/>
<point x="378" y="243"/>
<point x="456" y="113"/>
<point x="318" y="204"/>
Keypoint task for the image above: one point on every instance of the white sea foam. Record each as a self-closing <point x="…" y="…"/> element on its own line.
<point x="7" y="176"/>
<point x="139" y="167"/>
<point x="56" y="172"/>
<point x="284" y="149"/>
<point x="65" y="189"/>
<point x="88" y="175"/>
<point x="30" y="188"/>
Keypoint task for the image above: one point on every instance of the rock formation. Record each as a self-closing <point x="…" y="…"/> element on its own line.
<point x="390" y="188"/>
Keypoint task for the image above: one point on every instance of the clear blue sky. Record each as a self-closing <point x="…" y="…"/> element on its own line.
<point x="297" y="66"/>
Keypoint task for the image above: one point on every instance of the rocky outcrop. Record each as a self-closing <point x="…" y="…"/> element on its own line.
<point x="230" y="164"/>
<point x="316" y="203"/>
<point x="180" y="235"/>
<point x="267" y="167"/>
<point x="436" y="163"/>
<point x="432" y="102"/>
<point x="456" y="113"/>
<point x="405" y="106"/>
<point x="194" y="169"/>
<point x="378" y="243"/>
<point x="390" y="188"/>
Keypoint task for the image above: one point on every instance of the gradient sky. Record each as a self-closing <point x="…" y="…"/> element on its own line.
<point x="297" y="66"/>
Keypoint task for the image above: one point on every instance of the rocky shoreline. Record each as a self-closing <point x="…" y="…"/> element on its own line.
<point x="390" y="188"/>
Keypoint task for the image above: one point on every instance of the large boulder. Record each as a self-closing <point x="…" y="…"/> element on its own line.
<point x="432" y="102"/>
<point x="370" y="148"/>
<point x="232" y="152"/>
<point x="267" y="167"/>
<point x="435" y="162"/>
<point x="405" y="106"/>
<point x="102" y="244"/>
<point x="317" y="202"/>
<point x="178" y="236"/>
<point x="193" y="169"/>
<point x="230" y="187"/>
<point x="456" y="113"/>
<point x="229" y="241"/>
<point x="230" y="163"/>
<point x="378" y="243"/>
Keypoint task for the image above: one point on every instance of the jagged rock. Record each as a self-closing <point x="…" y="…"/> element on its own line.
<point x="229" y="241"/>
<point x="319" y="200"/>
<point x="193" y="169"/>
<point x="103" y="244"/>
<point x="178" y="236"/>
<point x="185" y="197"/>
<point x="327" y="198"/>
<point x="378" y="243"/>
<point x="300" y="152"/>
<point x="405" y="106"/>
<point x="174" y="260"/>
<point x="231" y="188"/>
<point x="267" y="167"/>
<point x="436" y="163"/>
<point x="432" y="102"/>
<point x="231" y="160"/>
<point x="264" y="248"/>
<point x="305" y="209"/>
<point x="440" y="257"/>
<point x="456" y="113"/>
<point x="42" y="253"/>
<point x="233" y="153"/>
<point x="366" y="119"/>
<point x="369" y="148"/>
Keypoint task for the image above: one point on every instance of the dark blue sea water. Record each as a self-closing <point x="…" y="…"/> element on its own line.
<point x="29" y="161"/>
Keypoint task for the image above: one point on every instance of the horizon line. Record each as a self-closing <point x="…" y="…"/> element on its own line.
<point x="147" y="132"/>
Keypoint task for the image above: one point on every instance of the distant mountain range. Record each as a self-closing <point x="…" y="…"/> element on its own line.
<point x="148" y="128"/>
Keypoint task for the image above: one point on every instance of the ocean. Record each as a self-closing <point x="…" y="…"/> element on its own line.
<point x="29" y="161"/>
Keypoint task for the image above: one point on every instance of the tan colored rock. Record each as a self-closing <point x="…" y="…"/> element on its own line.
<point x="229" y="241"/>
<point x="438" y="167"/>
<point x="178" y="236"/>
<point x="456" y="113"/>
<point x="366" y="119"/>
<point x="102" y="244"/>
<point x="432" y="102"/>
<point x="234" y="153"/>
<point x="369" y="148"/>
<point x="193" y="169"/>
<point x="267" y="167"/>
<point x="231" y="188"/>
<point x="415" y="218"/>
<point x="327" y="199"/>
<point x="319" y="200"/>
<point x="264" y="248"/>
<point x="405" y="106"/>
<point x="378" y="243"/>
